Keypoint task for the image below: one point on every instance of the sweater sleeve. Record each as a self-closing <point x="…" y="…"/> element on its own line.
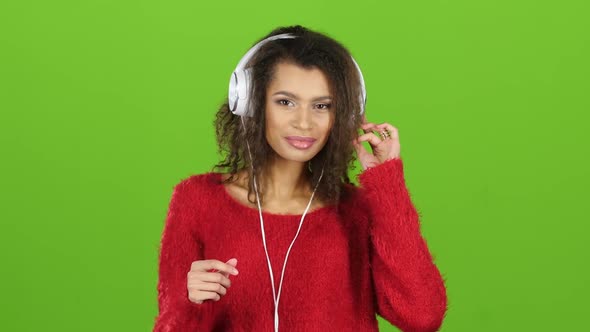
<point x="178" y="249"/>
<point x="410" y="291"/>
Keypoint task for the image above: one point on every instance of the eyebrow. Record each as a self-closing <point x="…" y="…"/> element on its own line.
<point x="289" y="94"/>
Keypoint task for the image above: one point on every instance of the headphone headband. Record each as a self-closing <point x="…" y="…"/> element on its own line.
<point x="240" y="80"/>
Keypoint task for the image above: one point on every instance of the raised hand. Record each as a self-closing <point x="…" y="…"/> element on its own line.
<point x="209" y="279"/>
<point x="386" y="146"/>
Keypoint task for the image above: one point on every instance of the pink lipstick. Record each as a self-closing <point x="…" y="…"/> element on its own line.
<point x="300" y="142"/>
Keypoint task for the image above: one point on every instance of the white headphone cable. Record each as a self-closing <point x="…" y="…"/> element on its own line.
<point x="276" y="297"/>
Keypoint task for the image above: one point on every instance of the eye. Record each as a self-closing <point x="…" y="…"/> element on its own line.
<point x="283" y="102"/>
<point x="324" y="107"/>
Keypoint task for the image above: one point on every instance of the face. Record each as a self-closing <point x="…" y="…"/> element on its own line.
<point x="299" y="113"/>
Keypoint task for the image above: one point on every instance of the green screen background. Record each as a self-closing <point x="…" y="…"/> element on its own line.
<point x="106" y="105"/>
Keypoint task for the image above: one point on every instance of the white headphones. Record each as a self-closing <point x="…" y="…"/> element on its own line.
<point x="240" y="81"/>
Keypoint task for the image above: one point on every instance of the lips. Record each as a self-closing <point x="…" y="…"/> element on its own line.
<point x="300" y="142"/>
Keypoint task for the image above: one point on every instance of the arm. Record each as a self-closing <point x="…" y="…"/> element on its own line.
<point x="410" y="290"/>
<point x="178" y="249"/>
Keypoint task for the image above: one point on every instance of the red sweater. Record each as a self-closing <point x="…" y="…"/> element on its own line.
<point x="362" y="257"/>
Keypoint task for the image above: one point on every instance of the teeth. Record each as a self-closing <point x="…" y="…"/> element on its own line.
<point x="301" y="144"/>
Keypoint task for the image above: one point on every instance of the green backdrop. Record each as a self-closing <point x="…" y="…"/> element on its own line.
<point x="106" y="105"/>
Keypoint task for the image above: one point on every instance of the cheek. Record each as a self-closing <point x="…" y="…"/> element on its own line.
<point x="272" y="127"/>
<point x="327" y="125"/>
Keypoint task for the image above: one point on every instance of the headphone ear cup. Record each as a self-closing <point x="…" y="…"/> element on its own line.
<point x="232" y="96"/>
<point x="243" y="84"/>
<point x="239" y="91"/>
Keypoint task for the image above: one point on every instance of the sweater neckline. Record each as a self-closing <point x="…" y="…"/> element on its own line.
<point x="234" y="203"/>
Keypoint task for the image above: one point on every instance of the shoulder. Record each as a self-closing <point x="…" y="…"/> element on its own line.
<point x="195" y="188"/>
<point x="191" y="197"/>
<point x="197" y="182"/>
<point x="353" y="198"/>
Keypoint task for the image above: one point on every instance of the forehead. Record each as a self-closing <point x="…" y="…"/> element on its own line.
<point x="309" y="82"/>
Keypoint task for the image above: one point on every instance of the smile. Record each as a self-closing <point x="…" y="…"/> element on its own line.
<point x="299" y="142"/>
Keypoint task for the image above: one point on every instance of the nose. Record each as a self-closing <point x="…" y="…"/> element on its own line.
<point x="303" y="119"/>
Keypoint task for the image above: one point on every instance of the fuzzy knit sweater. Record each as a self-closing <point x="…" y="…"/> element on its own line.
<point x="351" y="261"/>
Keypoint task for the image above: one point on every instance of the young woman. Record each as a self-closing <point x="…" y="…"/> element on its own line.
<point x="314" y="251"/>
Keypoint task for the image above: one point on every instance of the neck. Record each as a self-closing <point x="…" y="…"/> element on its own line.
<point x="284" y="180"/>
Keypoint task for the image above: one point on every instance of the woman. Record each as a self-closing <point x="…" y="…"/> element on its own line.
<point x="314" y="251"/>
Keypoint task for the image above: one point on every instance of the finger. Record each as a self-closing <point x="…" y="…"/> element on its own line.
<point x="387" y="125"/>
<point x="371" y="138"/>
<point x="368" y="127"/>
<point x="199" y="297"/>
<point x="393" y="130"/>
<point x="210" y="264"/>
<point x="210" y="287"/>
<point x="233" y="262"/>
<point x="210" y="277"/>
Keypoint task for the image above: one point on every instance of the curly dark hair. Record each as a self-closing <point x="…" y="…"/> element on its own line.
<point x="310" y="49"/>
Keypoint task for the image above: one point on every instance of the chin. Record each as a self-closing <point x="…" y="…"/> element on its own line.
<point x="299" y="157"/>
<point x="289" y="153"/>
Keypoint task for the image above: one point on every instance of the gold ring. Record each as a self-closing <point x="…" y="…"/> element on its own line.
<point x="385" y="134"/>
